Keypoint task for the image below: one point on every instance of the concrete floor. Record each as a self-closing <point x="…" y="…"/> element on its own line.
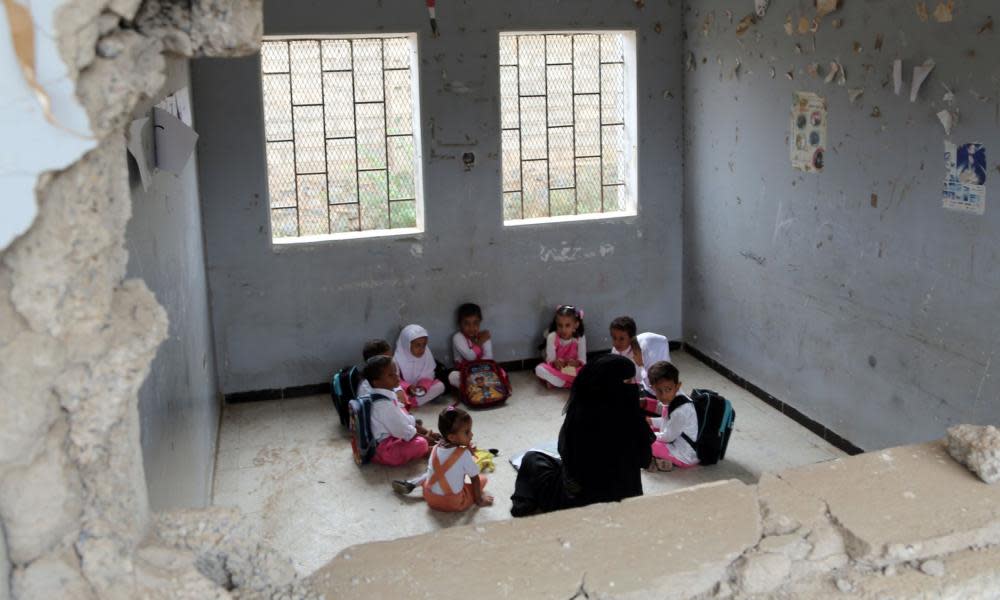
<point x="287" y="464"/>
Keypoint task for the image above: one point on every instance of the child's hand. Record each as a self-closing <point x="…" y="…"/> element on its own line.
<point x="485" y="500"/>
<point x="574" y="363"/>
<point x="636" y="353"/>
<point x="434" y="436"/>
<point x="558" y="363"/>
<point x="421" y="430"/>
<point x="401" y="396"/>
<point x="484" y="336"/>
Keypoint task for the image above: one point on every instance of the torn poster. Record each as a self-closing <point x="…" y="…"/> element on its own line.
<point x="965" y="181"/>
<point x="808" y="139"/>
<point x="920" y="74"/>
<point x="173" y="141"/>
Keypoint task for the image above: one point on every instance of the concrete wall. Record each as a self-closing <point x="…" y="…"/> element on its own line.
<point x="178" y="403"/>
<point x="288" y="317"/>
<point x="878" y="321"/>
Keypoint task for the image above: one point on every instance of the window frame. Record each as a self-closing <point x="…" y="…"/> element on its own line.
<point x="418" y="165"/>
<point x="630" y="121"/>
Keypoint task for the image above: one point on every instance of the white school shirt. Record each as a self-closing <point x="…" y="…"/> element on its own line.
<point x="655" y="348"/>
<point x="389" y="419"/>
<point x="462" y="353"/>
<point x="553" y="338"/>
<point x="456" y="474"/>
<point x="682" y="420"/>
<point x="365" y="388"/>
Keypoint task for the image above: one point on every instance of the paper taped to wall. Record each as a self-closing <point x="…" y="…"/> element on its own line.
<point x="808" y="138"/>
<point x="965" y="179"/>
<point x="174" y="141"/>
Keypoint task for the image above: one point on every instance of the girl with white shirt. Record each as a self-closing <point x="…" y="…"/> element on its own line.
<point x="565" y="348"/>
<point x="678" y="425"/>
<point x="450" y="463"/>
<point x="470" y="342"/>
<point x="642" y="349"/>
<point x="416" y="365"/>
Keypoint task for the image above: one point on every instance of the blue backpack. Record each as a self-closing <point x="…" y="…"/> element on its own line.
<point x="716" y="418"/>
<point x="363" y="443"/>
<point x="343" y="389"/>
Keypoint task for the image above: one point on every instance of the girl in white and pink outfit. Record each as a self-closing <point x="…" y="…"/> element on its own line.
<point x="565" y="348"/>
<point x="470" y="342"/>
<point x="416" y="366"/>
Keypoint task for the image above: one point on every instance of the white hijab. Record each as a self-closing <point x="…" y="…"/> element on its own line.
<point x="411" y="368"/>
<point x="655" y="348"/>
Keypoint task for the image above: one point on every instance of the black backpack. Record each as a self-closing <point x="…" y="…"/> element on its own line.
<point x="715" y="424"/>
<point x="343" y="389"/>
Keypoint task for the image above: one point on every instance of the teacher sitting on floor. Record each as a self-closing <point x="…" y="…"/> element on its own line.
<point x="604" y="443"/>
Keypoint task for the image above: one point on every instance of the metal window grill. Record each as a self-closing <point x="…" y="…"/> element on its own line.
<point x="562" y="104"/>
<point x="338" y="122"/>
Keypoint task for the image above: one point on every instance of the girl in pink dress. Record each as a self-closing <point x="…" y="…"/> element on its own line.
<point x="565" y="348"/>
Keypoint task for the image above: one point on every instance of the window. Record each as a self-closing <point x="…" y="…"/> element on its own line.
<point x="340" y="120"/>
<point x="567" y="110"/>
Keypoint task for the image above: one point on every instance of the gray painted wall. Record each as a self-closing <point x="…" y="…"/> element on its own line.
<point x="178" y="403"/>
<point x="879" y="322"/>
<point x="285" y="318"/>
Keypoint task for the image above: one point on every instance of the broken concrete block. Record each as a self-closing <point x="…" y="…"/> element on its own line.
<point x="758" y="573"/>
<point x="910" y="483"/>
<point x="654" y="558"/>
<point x="978" y="448"/>
<point x="785" y="509"/>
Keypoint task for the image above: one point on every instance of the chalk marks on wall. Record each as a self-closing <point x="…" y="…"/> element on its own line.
<point x="965" y="178"/>
<point x="808" y="138"/>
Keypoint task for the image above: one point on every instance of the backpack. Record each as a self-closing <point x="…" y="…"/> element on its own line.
<point x="363" y="442"/>
<point x="715" y="424"/>
<point x="343" y="389"/>
<point x="483" y="383"/>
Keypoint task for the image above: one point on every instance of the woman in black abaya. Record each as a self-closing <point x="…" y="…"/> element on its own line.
<point x="604" y="443"/>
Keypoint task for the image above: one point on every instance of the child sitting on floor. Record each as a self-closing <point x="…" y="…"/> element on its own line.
<point x="416" y="366"/>
<point x="677" y="430"/>
<point x="470" y="342"/>
<point x="565" y="348"/>
<point x="643" y="349"/>
<point x="378" y="347"/>
<point x="398" y="436"/>
<point x="450" y="462"/>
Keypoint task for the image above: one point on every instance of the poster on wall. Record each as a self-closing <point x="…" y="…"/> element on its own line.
<point x="808" y="139"/>
<point x="965" y="181"/>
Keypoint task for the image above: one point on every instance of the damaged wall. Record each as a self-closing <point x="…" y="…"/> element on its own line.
<point x="178" y="403"/>
<point x="77" y="337"/>
<point x="850" y="294"/>
<point x="285" y="318"/>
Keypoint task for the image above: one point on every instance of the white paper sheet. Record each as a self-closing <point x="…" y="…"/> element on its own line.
<point x="174" y="141"/>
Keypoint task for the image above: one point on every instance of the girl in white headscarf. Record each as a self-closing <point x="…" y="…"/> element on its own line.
<point x="643" y="349"/>
<point x="416" y="365"/>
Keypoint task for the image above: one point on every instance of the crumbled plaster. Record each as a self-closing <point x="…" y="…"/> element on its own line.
<point x="978" y="448"/>
<point x="77" y="339"/>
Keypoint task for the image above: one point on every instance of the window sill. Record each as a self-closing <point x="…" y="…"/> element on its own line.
<point x="282" y="243"/>
<point x="570" y="219"/>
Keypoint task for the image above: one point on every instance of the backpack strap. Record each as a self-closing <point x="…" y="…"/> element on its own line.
<point x="440" y="470"/>
<point x="377" y="397"/>
<point x="676" y="403"/>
